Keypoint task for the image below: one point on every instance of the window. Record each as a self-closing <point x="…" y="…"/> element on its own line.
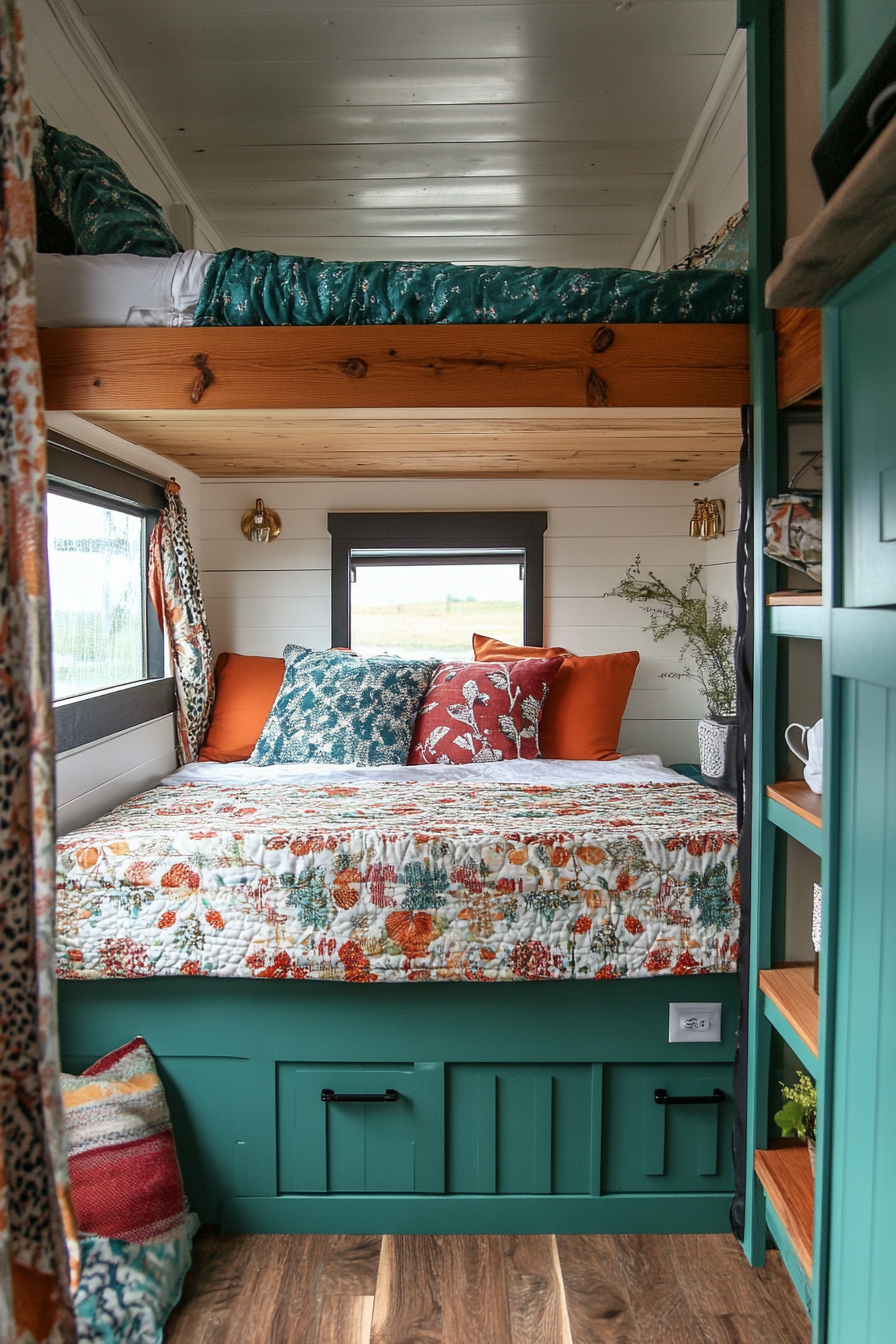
<point x="421" y="584"/>
<point x="97" y="563"/>
<point x="108" y="649"/>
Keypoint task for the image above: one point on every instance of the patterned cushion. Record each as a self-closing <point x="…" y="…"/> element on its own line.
<point x="123" y="1168"/>
<point x="127" y="1291"/>
<point x="483" y="712"/>
<point x="336" y="707"/>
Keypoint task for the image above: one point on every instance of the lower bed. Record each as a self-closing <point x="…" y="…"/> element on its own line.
<point x="542" y="1097"/>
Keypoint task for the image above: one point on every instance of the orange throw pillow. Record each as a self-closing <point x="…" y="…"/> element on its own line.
<point x="246" y="689"/>
<point x="582" y="716"/>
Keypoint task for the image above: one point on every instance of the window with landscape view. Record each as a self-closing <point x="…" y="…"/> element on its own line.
<point x="422" y="584"/>
<point x="434" y="605"/>
<point x="97" y="563"/>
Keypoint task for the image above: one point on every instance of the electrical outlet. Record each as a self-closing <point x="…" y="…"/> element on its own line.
<point x="695" y="1022"/>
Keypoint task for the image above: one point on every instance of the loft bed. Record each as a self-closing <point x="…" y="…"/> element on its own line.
<point x="381" y="368"/>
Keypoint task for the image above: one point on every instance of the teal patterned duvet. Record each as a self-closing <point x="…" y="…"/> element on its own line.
<point x="261" y="289"/>
<point x="403" y="881"/>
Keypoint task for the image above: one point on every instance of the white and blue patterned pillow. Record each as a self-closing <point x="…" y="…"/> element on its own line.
<point x="342" y="709"/>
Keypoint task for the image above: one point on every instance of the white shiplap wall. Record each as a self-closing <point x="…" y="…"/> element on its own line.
<point x="259" y="598"/>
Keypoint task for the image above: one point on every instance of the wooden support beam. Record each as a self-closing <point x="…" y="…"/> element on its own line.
<point x="798" y="347"/>
<point x="97" y="370"/>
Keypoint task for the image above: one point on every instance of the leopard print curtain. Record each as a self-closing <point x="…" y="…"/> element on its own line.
<point x="35" y="1206"/>
<point x="177" y="597"/>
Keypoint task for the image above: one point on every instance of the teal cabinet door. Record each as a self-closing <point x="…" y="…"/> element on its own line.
<point x="854" y="32"/>
<point x="353" y="1147"/>
<point x="868" y="430"/>
<point x="526" y="1129"/>
<point x="862" y="1191"/>
<point x="657" y="1148"/>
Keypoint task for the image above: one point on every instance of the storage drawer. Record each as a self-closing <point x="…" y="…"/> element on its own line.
<point x="356" y="1146"/>
<point x="522" y="1129"/>
<point x="648" y="1147"/>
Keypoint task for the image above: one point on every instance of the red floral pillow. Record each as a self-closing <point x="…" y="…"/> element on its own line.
<point x="482" y="712"/>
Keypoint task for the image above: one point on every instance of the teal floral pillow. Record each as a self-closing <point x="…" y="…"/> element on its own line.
<point x="342" y="709"/>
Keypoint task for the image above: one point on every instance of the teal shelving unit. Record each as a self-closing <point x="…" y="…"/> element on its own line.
<point x="835" y="1227"/>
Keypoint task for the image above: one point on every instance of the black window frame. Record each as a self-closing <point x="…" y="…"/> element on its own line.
<point x="77" y="471"/>
<point x="428" y="538"/>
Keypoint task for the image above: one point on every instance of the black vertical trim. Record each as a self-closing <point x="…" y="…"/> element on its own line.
<point x="743" y="661"/>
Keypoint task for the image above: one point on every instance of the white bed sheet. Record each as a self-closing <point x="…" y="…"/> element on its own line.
<point x="119" y="290"/>
<point x="641" y="769"/>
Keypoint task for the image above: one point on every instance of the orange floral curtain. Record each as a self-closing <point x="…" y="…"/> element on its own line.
<point x="35" y="1299"/>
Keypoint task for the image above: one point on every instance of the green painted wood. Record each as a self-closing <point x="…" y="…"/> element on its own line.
<point x="486" y="1181"/>
<point x="862" y="1291"/>
<point x="799" y="1047"/>
<point x="852" y="33"/>
<point x="322" y="1022"/>
<point x="236" y="1115"/>
<point x="785" y="820"/>
<point x="863" y="646"/>
<point x="868" y="418"/>
<point x="796" y="622"/>
<point x="429" y="1101"/>
<point x="485" y="1214"/>
<point x="673" y="1147"/>
<point x="597" y="1120"/>
<point x="789" y="1256"/>
<point x="543" y="1132"/>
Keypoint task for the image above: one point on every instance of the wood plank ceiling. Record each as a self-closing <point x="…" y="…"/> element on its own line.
<point x="538" y="134"/>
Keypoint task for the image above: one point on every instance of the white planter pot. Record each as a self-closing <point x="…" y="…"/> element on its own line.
<point x="718" y="750"/>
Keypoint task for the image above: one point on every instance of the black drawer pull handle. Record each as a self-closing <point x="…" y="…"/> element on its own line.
<point x="327" y="1094"/>
<point x="662" y="1098"/>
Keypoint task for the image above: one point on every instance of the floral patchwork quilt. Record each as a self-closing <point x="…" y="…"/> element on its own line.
<point x="403" y="881"/>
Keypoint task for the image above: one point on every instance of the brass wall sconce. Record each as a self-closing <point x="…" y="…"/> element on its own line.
<point x="260" y="524"/>
<point x="708" y="520"/>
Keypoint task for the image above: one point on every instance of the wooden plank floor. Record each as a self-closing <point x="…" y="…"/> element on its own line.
<point x="483" y="1290"/>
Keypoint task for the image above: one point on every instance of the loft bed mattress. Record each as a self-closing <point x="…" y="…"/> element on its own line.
<point x="533" y="870"/>
<point x="259" y="289"/>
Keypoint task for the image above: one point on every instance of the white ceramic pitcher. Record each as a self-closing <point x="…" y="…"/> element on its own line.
<point x="808" y="745"/>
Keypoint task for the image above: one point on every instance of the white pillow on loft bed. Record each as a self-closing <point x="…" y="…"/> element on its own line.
<point x="119" y="290"/>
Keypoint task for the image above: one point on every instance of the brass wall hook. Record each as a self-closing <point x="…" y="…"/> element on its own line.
<point x="260" y="524"/>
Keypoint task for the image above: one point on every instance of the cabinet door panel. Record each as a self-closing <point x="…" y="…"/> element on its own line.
<point x="862" y="1247"/>
<point x="649" y="1147"/>
<point x="357" y="1147"/>
<point x="520" y="1129"/>
<point x="868" y="431"/>
<point x="856" y="29"/>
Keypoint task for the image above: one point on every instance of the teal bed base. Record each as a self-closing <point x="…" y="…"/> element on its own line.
<point x="519" y="1107"/>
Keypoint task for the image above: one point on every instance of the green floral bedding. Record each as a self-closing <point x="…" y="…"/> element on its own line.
<point x="403" y="881"/>
<point x="261" y="289"/>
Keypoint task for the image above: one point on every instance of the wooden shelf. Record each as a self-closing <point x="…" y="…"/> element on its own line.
<point x="791" y="990"/>
<point x="788" y="1182"/>
<point x="797" y="797"/>
<point x="792" y="599"/>
<point x="856" y="226"/>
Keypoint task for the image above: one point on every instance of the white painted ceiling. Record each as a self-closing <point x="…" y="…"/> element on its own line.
<point x="540" y="134"/>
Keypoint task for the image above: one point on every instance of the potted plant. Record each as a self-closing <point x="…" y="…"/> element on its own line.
<point x="707" y="655"/>
<point x="798" y="1114"/>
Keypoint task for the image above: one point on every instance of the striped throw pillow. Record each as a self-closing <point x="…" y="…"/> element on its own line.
<point x="125" y="1179"/>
